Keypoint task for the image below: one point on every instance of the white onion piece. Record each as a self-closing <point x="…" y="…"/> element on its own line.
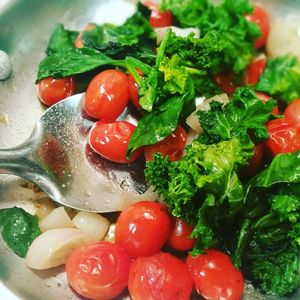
<point x="53" y="247"/>
<point x="160" y="32"/>
<point x="58" y="218"/>
<point x="95" y="225"/>
<point x="193" y="121"/>
<point x="110" y="236"/>
<point x="284" y="37"/>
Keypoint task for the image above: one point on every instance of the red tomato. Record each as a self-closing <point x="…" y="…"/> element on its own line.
<point x="171" y="146"/>
<point x="107" y="95"/>
<point x="215" y="277"/>
<point x="158" y="18"/>
<point x="143" y="228"/>
<point x="255" y="70"/>
<point x="180" y="235"/>
<point x="225" y="82"/>
<point x="292" y="112"/>
<point x="261" y="18"/>
<point x="98" y="271"/>
<point x="284" y="136"/>
<point x="264" y="97"/>
<point x="255" y="162"/>
<point x="51" y="90"/>
<point x="134" y="90"/>
<point x="161" y="276"/>
<point x="110" y="140"/>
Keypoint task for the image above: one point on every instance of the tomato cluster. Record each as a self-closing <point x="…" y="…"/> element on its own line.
<point x="104" y="269"/>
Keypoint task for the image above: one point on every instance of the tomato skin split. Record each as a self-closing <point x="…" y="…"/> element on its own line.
<point x="157" y="277"/>
<point x="51" y="91"/>
<point x="98" y="271"/>
<point x="110" y="140"/>
<point x="215" y="277"/>
<point x="107" y="95"/>
<point x="143" y="228"/>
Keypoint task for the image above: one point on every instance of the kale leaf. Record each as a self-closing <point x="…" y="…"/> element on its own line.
<point x="19" y="229"/>
<point x="244" y="113"/>
<point x="281" y="78"/>
<point x="235" y="35"/>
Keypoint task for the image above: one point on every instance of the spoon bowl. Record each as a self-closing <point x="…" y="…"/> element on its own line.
<point x="59" y="160"/>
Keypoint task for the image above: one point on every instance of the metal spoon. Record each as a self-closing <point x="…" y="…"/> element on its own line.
<point x="58" y="159"/>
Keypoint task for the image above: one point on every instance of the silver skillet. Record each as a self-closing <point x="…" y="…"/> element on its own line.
<point x="25" y="26"/>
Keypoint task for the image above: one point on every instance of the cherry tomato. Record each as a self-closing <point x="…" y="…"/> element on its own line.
<point x="292" y="112"/>
<point x="255" y="162"/>
<point x="284" y="136"/>
<point x="215" y="277"/>
<point x="171" y="146"/>
<point x="179" y="237"/>
<point x="161" y="276"/>
<point x="255" y="70"/>
<point x="51" y="90"/>
<point x="225" y="82"/>
<point x="143" y="228"/>
<point x="110" y="140"/>
<point x="158" y="18"/>
<point x="107" y="95"/>
<point x="264" y="97"/>
<point x="134" y="90"/>
<point x="98" y="271"/>
<point x="261" y="18"/>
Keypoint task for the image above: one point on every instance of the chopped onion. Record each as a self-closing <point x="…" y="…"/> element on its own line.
<point x="53" y="247"/>
<point x="160" y="32"/>
<point x="284" y="37"/>
<point x="95" y="225"/>
<point x="110" y="236"/>
<point x="45" y="208"/>
<point x="193" y="121"/>
<point x="58" y="218"/>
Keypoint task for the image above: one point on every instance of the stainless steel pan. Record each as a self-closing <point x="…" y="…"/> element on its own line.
<point x="25" y="26"/>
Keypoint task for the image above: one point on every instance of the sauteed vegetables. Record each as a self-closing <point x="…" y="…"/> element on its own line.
<point x="219" y="129"/>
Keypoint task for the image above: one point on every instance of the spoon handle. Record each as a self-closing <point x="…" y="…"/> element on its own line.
<point x="18" y="161"/>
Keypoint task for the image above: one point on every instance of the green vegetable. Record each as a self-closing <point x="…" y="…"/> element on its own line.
<point x="19" y="229"/>
<point x="203" y="187"/>
<point x="281" y="78"/>
<point x="61" y="39"/>
<point x="278" y="274"/>
<point x="235" y="35"/>
<point x="244" y="113"/>
<point x="73" y="61"/>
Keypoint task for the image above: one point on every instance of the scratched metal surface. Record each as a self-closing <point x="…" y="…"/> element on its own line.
<point x="25" y="29"/>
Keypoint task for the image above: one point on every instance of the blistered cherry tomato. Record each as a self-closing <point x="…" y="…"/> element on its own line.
<point x="110" y="140"/>
<point x="179" y="238"/>
<point x="158" y="18"/>
<point x="255" y="70"/>
<point x="215" y="277"/>
<point x="161" y="276"/>
<point x="98" y="271"/>
<point x="284" y="136"/>
<point x="264" y="97"/>
<point x="261" y="18"/>
<point x="292" y="112"/>
<point x="107" y="95"/>
<point x="225" y="82"/>
<point x="143" y="228"/>
<point x="134" y="90"/>
<point x="171" y="146"/>
<point x="51" y="90"/>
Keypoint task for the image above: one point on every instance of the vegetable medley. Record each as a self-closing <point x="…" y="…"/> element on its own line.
<point x="219" y="130"/>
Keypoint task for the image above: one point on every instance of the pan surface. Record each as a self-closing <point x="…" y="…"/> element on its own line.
<point x="25" y="29"/>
